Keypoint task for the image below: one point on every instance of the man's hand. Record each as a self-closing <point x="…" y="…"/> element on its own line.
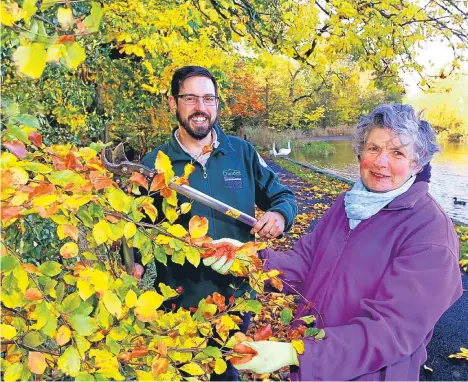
<point x="270" y="357"/>
<point x="221" y="261"/>
<point x="271" y="225"/>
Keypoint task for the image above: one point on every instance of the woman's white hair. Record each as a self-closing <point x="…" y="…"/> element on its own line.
<point x="403" y="121"/>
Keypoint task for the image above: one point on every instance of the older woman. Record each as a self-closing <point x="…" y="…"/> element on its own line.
<point x="381" y="266"/>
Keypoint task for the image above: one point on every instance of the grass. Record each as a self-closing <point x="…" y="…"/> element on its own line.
<point x="318" y="148"/>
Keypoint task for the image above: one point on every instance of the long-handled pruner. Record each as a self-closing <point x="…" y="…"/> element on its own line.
<point x="116" y="162"/>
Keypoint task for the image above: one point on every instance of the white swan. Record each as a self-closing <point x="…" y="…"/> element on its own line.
<point x="285" y="151"/>
<point x="273" y="152"/>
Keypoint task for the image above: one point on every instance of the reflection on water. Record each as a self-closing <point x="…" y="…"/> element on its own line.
<point x="449" y="172"/>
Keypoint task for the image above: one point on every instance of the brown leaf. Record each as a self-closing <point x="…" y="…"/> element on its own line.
<point x="35" y="138"/>
<point x="139" y="351"/>
<point x="67" y="38"/>
<point x="162" y="349"/>
<point x="36" y="362"/>
<point x="263" y="334"/>
<point x="33" y="294"/>
<point x="42" y="189"/>
<point x="8" y="213"/>
<point x="158" y="183"/>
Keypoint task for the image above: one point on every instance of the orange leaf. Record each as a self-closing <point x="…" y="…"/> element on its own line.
<point x="139" y="179"/>
<point x="30" y="268"/>
<point x="36" y="362"/>
<point x="42" y="189"/>
<point x="162" y="349"/>
<point x="198" y="227"/>
<point x="241" y="360"/>
<point x="35" y="138"/>
<point x="207" y="149"/>
<point x="244" y="349"/>
<point x="219" y="299"/>
<point x="160" y="366"/>
<point x="17" y="148"/>
<point x="67" y="38"/>
<point x="70" y="231"/>
<point x="8" y="213"/>
<point x="33" y="294"/>
<point x="166" y="192"/>
<point x="70" y="161"/>
<point x="139" y="351"/>
<point x="99" y="180"/>
<point x="158" y="182"/>
<point x="263" y="334"/>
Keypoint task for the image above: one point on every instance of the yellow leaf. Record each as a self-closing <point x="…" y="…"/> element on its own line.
<point x="163" y="164"/>
<point x="220" y="366"/>
<point x="36" y="362"/>
<point x="185" y="207"/>
<point x="65" y="17"/>
<point x="29" y="8"/>
<point x="171" y="214"/>
<point x="67" y="230"/>
<point x="31" y="59"/>
<point x="63" y="335"/>
<point x="101" y="232"/>
<point x="7" y="331"/>
<point x="192" y="368"/>
<point x="85" y="289"/>
<point x="192" y="255"/>
<point x="146" y="305"/>
<point x="130" y="299"/>
<point x="188" y="170"/>
<point x="198" y="227"/>
<point x="21" y="277"/>
<point x="177" y="230"/>
<point x="13" y="373"/>
<point x="6" y="17"/>
<point x="144" y="375"/>
<point x="69" y="250"/>
<point x="172" y="198"/>
<point x="298" y="345"/>
<point x="129" y="230"/>
<point x="112" y="304"/>
<point x="75" y="55"/>
<point x="167" y="291"/>
<point x="55" y="52"/>
<point x="44" y="200"/>
<point x="119" y="201"/>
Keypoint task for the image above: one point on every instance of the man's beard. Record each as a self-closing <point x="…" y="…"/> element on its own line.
<point x="201" y="132"/>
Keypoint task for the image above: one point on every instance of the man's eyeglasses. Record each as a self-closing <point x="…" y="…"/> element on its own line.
<point x="192" y="99"/>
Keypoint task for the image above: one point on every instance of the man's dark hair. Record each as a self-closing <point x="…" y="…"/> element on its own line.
<point x="185" y="72"/>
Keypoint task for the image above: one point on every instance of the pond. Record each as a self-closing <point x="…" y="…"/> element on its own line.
<point x="449" y="172"/>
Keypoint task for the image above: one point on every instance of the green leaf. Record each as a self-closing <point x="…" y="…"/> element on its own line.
<point x="286" y="316"/>
<point x="18" y="133"/>
<point x="212" y="351"/>
<point x="160" y="254"/>
<point x="320" y="334"/>
<point x="70" y="362"/>
<point x="50" y="268"/>
<point x="114" y="347"/>
<point x="308" y="319"/>
<point x="83" y="325"/>
<point x="84" y="376"/>
<point x="71" y="302"/>
<point x="311" y="332"/>
<point x="85" y="217"/>
<point x="8" y="263"/>
<point x="178" y="257"/>
<point x="96" y="211"/>
<point x="34" y="338"/>
<point x="14" y="372"/>
<point x="93" y="21"/>
<point x="65" y="177"/>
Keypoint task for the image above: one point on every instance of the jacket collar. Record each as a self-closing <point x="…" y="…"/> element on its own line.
<point x="408" y="200"/>
<point x="177" y="153"/>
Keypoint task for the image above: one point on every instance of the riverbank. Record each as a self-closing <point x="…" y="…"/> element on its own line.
<point x="315" y="192"/>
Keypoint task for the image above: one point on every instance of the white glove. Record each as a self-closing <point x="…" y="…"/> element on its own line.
<point x="223" y="263"/>
<point x="270" y="357"/>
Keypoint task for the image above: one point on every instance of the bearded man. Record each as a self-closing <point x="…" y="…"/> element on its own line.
<point x="230" y="171"/>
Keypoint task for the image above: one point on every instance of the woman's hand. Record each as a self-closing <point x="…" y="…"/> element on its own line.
<point x="270" y="356"/>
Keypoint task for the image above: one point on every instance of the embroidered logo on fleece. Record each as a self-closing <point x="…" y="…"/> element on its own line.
<point x="232" y="178"/>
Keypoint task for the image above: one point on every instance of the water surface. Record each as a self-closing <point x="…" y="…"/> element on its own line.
<point x="449" y="172"/>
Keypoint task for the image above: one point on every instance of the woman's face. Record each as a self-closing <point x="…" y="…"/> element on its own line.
<point x="387" y="161"/>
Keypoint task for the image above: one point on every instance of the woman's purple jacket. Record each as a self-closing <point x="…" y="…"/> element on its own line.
<point x="380" y="288"/>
